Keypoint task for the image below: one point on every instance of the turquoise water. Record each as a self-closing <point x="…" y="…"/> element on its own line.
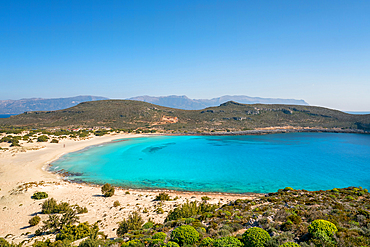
<point x="238" y="164"/>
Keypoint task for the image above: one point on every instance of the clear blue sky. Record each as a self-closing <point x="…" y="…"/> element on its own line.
<point x="318" y="51"/>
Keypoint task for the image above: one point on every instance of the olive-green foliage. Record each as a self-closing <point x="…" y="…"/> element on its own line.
<point x="227" y="242"/>
<point x="39" y="195"/>
<point x="171" y="244"/>
<point x="4" y="243"/>
<point x="185" y="235"/>
<point x="289" y="244"/>
<point x="133" y="243"/>
<point x="148" y="225"/>
<point x="190" y="209"/>
<point x="322" y="226"/>
<point x="133" y="222"/>
<point x="116" y="204"/>
<point x="160" y="235"/>
<point x="42" y="138"/>
<point x="74" y="232"/>
<point x="206" y="242"/>
<point x="54" y="141"/>
<point x="288" y="189"/>
<point x="91" y="243"/>
<point x="51" y="206"/>
<point x="34" y="220"/>
<point x="107" y="190"/>
<point x="56" y="222"/>
<point x="295" y="219"/>
<point x="255" y="237"/>
<point x="163" y="197"/>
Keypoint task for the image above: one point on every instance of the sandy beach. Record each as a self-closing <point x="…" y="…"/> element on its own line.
<point x="22" y="172"/>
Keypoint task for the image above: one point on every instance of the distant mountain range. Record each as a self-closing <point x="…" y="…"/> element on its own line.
<point x="173" y="101"/>
<point x="38" y="104"/>
<point x="183" y="102"/>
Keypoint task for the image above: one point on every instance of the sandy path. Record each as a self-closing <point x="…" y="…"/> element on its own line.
<point x="16" y="208"/>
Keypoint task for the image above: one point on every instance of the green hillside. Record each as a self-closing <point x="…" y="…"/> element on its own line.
<point x="230" y="116"/>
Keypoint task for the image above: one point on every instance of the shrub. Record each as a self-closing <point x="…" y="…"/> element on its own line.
<point x="116" y="204"/>
<point x="205" y="198"/>
<point x="322" y="226"/>
<point x="295" y="219"/>
<point x="54" y="141"/>
<point x="107" y="190"/>
<point x="288" y="189"/>
<point x="34" y="220"/>
<point x="190" y="209"/>
<point x="255" y="237"/>
<point x="49" y="206"/>
<point x="160" y="235"/>
<point x="289" y="244"/>
<point x="39" y="195"/>
<point x="287" y="226"/>
<point x="134" y="222"/>
<point x="147" y="225"/>
<point x="163" y="197"/>
<point x="171" y="244"/>
<point x="185" y="235"/>
<point x="42" y="138"/>
<point x="227" y="241"/>
<point x="91" y="243"/>
<point x="207" y="242"/>
<point x="74" y="232"/>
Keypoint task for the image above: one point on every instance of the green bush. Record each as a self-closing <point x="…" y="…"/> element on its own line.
<point x="190" y="209"/>
<point x="91" y="243"/>
<point x="148" y="225"/>
<point x="287" y="226"/>
<point x="50" y="206"/>
<point x="255" y="237"/>
<point x="207" y="242"/>
<point x="295" y="219"/>
<point x="54" y="141"/>
<point x="289" y="244"/>
<point x="171" y="244"/>
<point x="323" y="226"/>
<point x="185" y="235"/>
<point x="134" y="222"/>
<point x="227" y="242"/>
<point x="163" y="197"/>
<point x="107" y="190"/>
<point x="288" y="189"/>
<point x="116" y="204"/>
<point x="160" y="235"/>
<point x="74" y="232"/>
<point x="42" y="138"/>
<point x="39" y="195"/>
<point x="34" y="220"/>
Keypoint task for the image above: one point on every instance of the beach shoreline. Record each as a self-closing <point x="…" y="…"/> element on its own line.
<point x="23" y="171"/>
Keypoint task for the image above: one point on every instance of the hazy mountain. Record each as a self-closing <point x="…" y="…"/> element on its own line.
<point x="38" y="104"/>
<point x="183" y="102"/>
<point x="131" y="114"/>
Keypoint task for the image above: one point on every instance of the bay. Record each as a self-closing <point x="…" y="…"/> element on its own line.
<point x="234" y="164"/>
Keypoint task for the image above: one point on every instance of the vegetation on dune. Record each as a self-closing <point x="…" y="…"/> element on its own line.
<point x="337" y="217"/>
<point x="39" y="195"/>
<point x="107" y="190"/>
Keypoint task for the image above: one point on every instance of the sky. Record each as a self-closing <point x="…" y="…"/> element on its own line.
<point x="318" y="51"/>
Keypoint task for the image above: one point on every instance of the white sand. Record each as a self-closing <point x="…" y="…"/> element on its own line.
<point x="21" y="167"/>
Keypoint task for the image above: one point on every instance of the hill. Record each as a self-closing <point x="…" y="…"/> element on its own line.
<point x="38" y="104"/>
<point x="230" y="116"/>
<point x="183" y="102"/>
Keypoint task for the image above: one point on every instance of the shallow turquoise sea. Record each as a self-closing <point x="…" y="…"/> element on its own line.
<point x="237" y="164"/>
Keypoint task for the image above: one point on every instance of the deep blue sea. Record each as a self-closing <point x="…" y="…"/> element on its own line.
<point x="6" y="115"/>
<point x="238" y="164"/>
